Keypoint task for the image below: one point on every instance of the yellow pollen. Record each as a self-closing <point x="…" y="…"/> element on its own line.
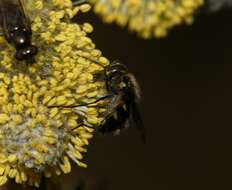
<point x="148" y="18"/>
<point x="44" y="105"/>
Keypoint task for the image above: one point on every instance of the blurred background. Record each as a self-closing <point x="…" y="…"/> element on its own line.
<point x="186" y="82"/>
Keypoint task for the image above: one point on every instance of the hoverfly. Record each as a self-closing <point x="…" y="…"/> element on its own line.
<point x="125" y="96"/>
<point x="16" y="28"/>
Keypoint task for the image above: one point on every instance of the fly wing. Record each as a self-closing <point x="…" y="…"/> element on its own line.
<point x="138" y="121"/>
<point x="24" y="6"/>
<point x="135" y="94"/>
<point x="12" y="16"/>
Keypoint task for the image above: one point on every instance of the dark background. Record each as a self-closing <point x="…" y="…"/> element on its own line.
<point x="186" y="83"/>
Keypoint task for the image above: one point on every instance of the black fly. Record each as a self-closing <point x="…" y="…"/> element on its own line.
<point x="124" y="96"/>
<point x="16" y="29"/>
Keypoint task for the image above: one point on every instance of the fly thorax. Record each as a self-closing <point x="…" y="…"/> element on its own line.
<point x="20" y="38"/>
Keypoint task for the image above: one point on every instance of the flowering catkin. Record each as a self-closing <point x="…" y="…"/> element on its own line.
<point x="39" y="132"/>
<point x="148" y="18"/>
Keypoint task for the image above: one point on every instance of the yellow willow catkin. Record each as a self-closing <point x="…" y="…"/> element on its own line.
<point x="147" y="17"/>
<point x="39" y="133"/>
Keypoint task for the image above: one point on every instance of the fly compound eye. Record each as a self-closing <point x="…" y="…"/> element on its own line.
<point x="26" y="53"/>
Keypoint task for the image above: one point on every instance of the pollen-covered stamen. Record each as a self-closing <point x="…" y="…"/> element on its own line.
<point x="148" y="18"/>
<point x="39" y="134"/>
<point x="45" y="144"/>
